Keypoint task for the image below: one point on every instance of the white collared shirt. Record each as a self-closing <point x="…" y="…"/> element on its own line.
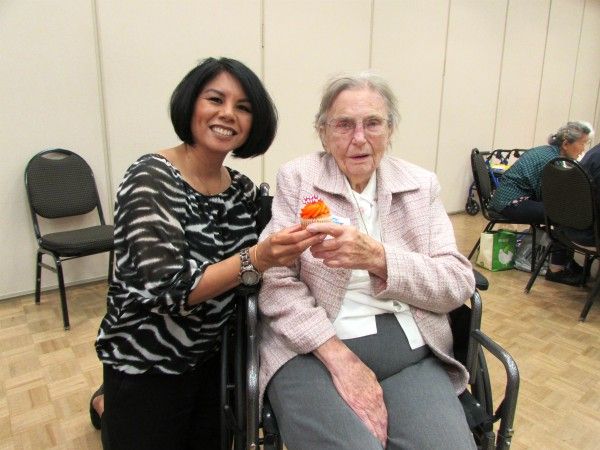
<point x="359" y="308"/>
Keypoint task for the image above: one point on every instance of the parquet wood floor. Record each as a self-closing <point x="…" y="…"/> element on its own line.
<point x="47" y="374"/>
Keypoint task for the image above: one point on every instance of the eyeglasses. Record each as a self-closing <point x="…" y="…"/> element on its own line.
<point x="373" y="126"/>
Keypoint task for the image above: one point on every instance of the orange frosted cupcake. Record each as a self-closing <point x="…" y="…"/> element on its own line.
<point x="314" y="210"/>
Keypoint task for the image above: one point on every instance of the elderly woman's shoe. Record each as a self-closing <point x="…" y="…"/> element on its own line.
<point x="94" y="416"/>
<point x="574" y="268"/>
<point x="565" y="276"/>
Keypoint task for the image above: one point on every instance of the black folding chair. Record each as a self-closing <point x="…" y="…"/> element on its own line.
<point x="485" y="189"/>
<point x="571" y="206"/>
<point x="59" y="183"/>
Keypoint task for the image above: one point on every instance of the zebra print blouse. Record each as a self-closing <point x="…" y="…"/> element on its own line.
<point x="166" y="234"/>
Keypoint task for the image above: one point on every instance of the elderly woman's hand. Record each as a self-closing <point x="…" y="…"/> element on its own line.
<point x="284" y="247"/>
<point x="349" y="248"/>
<point x="357" y="385"/>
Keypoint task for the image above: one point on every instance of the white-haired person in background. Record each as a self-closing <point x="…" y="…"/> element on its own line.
<point x="519" y="195"/>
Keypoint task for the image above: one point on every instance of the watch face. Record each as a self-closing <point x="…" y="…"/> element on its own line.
<point x="250" y="277"/>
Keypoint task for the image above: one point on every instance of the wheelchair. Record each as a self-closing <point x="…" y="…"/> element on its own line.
<point x="244" y="429"/>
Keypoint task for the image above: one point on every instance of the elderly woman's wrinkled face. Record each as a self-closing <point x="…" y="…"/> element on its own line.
<point x="357" y="133"/>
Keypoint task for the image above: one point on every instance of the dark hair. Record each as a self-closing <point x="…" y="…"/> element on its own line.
<point x="264" y="114"/>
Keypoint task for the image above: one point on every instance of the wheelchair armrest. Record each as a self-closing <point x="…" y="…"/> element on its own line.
<point x="472" y="346"/>
<point x="507" y="408"/>
<point x="481" y="282"/>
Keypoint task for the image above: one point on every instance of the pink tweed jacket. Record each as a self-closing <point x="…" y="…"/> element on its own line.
<point x="425" y="270"/>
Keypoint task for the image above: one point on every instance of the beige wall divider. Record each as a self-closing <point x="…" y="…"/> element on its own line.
<point x="472" y="74"/>
<point x="521" y="73"/>
<point x="95" y="77"/>
<point x="409" y="49"/>
<point x="559" y="67"/>
<point x="306" y="43"/>
<point x="50" y="99"/>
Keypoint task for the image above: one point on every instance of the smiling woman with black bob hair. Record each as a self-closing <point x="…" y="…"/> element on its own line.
<point x="185" y="239"/>
<point x="183" y="100"/>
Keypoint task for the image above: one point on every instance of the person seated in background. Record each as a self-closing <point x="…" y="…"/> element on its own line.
<point x="591" y="163"/>
<point x="519" y="197"/>
<point x="355" y="344"/>
<point x="185" y="239"/>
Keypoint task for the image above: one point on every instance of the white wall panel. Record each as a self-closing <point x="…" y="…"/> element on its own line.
<point x="558" y="75"/>
<point x="408" y="49"/>
<point x="596" y="138"/>
<point x="474" y="49"/>
<point x="147" y="47"/>
<point x="521" y="74"/>
<point x="462" y="82"/>
<point x="49" y="92"/>
<point x="587" y="75"/>
<point x="306" y="43"/>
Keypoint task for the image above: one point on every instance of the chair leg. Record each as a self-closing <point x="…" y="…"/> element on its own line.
<point x="474" y="249"/>
<point x="63" y="293"/>
<point x="587" y="267"/>
<point x="536" y="272"/>
<point x="38" y="277"/>
<point x="533" y="247"/>
<point x="588" y="304"/>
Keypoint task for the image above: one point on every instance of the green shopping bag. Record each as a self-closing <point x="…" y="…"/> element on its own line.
<point x="497" y="250"/>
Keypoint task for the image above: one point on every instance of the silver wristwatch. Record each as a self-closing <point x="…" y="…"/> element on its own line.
<point x="249" y="276"/>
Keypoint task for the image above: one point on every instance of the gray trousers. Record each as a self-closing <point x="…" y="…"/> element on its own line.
<point x="423" y="409"/>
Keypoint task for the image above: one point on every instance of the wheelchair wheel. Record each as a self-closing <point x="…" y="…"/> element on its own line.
<point x="472" y="207"/>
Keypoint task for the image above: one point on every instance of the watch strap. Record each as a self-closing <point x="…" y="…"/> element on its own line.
<point x="246" y="265"/>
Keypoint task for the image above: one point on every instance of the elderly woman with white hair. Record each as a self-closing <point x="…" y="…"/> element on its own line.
<point x="519" y="195"/>
<point x="356" y="348"/>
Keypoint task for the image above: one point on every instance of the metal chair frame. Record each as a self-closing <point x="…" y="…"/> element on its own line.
<point x="570" y="201"/>
<point x="485" y="189"/>
<point x="91" y="202"/>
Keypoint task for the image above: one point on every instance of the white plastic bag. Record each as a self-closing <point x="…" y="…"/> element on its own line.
<point x="524" y="250"/>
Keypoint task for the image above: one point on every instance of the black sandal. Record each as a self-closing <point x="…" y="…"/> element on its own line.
<point x="94" y="416"/>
